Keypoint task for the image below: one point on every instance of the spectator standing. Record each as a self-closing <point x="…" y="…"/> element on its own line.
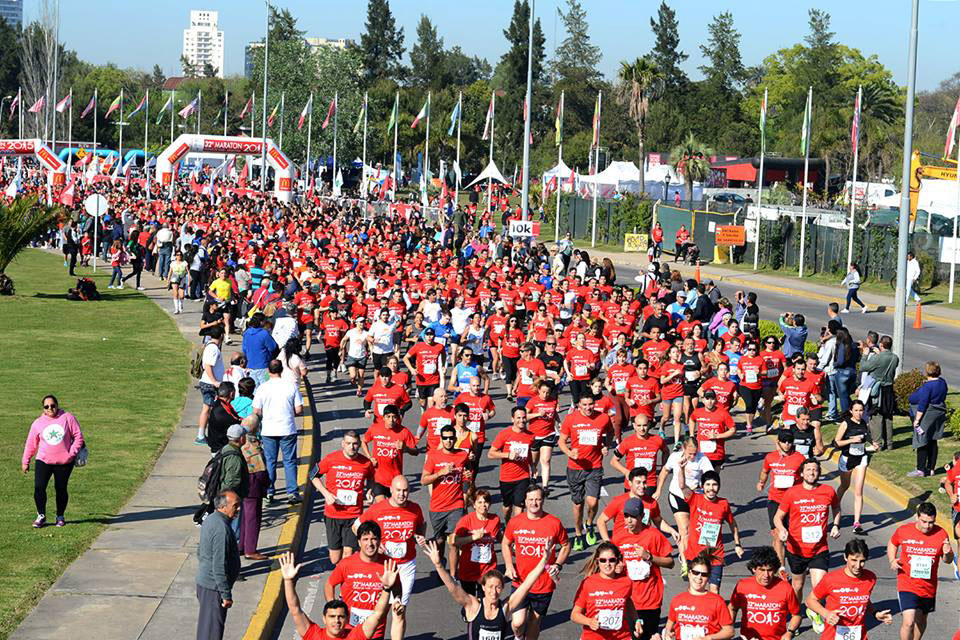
<point x="233" y="471"/>
<point x="913" y="276"/>
<point x="251" y="514"/>
<point x="794" y="328"/>
<point x="259" y="347"/>
<point x="881" y="365"/>
<point x="222" y="417"/>
<point x="164" y="240"/>
<point x="218" y="566"/>
<point x="210" y="379"/>
<point x="278" y="403"/>
<point x="928" y="410"/>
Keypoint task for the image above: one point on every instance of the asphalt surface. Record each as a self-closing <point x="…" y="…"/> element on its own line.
<point x="432" y="614"/>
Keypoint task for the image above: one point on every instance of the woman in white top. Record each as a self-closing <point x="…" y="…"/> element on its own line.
<point x="294" y="370"/>
<point x="696" y="465"/>
<point x="353" y="350"/>
<point x="472" y="338"/>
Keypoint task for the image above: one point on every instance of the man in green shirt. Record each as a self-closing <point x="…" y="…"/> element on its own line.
<point x="881" y="363"/>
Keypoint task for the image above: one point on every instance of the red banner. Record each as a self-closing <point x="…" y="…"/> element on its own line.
<point x="179" y="153"/>
<point x="8" y="147"/>
<point x="278" y="158"/>
<point x="224" y="145"/>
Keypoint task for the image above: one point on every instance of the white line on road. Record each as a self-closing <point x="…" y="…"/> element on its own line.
<point x="929" y="346"/>
<point x="603" y="492"/>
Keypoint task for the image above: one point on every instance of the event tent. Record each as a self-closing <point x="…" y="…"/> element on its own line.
<point x="489" y="172"/>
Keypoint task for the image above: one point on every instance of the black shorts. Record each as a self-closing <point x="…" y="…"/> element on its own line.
<point x="677" y="505"/>
<point x="909" y="600"/>
<point x="751" y="398"/>
<point x="340" y="533"/>
<point x="308" y="326"/>
<point x="513" y="493"/>
<point x="772" y="508"/>
<point x="799" y="564"/>
<point x="445" y="522"/>
<point x="584" y="483"/>
<point x="816" y="415"/>
<point x="690" y="389"/>
<point x="538" y="602"/>
<point x="378" y="489"/>
<point x="551" y="441"/>
<point x="380" y="360"/>
<point x="649" y="621"/>
<point x="425" y="391"/>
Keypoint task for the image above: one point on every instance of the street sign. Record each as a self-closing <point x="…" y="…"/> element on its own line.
<point x="96" y="205"/>
<point x="524" y="228"/>
<point x="731" y="235"/>
<point x="80" y="153"/>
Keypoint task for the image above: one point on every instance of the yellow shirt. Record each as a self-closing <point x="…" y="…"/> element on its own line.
<point x="221" y="289"/>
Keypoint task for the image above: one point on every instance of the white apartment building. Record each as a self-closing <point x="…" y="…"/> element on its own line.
<point x="203" y="41"/>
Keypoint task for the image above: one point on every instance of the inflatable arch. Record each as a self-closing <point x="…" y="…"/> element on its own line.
<point x="170" y="158"/>
<point x="44" y="155"/>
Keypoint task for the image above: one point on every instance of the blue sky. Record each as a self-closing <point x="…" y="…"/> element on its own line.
<point x="143" y="32"/>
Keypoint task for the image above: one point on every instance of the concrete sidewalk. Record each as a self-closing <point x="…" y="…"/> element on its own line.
<point x="137" y="580"/>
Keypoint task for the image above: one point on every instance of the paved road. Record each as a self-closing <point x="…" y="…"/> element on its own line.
<point x="433" y="615"/>
<point x="934" y="342"/>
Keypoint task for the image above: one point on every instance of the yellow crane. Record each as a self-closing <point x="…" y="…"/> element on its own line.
<point x="920" y="172"/>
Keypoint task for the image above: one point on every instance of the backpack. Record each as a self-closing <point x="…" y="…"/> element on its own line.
<point x="208" y="484"/>
<point x="196" y="367"/>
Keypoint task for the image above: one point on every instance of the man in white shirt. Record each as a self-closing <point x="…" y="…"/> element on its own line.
<point x="382" y="331"/>
<point x="278" y="403"/>
<point x="285" y="325"/>
<point x="913" y="274"/>
<point x="353" y="352"/>
<point x="164" y="240"/>
<point x="212" y="375"/>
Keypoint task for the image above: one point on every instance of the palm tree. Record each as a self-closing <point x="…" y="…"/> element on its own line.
<point x="691" y="159"/>
<point x="638" y="83"/>
<point x="20" y="222"/>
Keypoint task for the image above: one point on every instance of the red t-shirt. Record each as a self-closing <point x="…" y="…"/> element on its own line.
<point x="920" y="555"/>
<point x="618" y="375"/>
<point x="775" y="363"/>
<point x="587" y="434"/>
<point x="380" y="397"/>
<point x="346" y="478"/>
<point x="382" y="443"/>
<point x="708" y="425"/>
<point x="528" y="371"/>
<point x="544" y="425"/>
<point x="333" y="330"/>
<point x="653" y="351"/>
<point x="529" y="537"/>
<point x="784" y="472"/>
<point x="724" y="390"/>
<point x="796" y="394"/>
<point x="614" y="511"/>
<point x="847" y="596"/>
<point x="398" y="526"/>
<point x="510" y="441"/>
<point x="695" y="616"/>
<point x="360" y="588"/>
<point x="641" y="452"/>
<point x="751" y="371"/>
<point x="673" y="388"/>
<point x="765" y="610"/>
<point x="510" y="341"/>
<point x="706" y="520"/>
<point x="647" y="580"/>
<point x="316" y="632"/>
<point x="580" y="363"/>
<point x="432" y="420"/>
<point x="606" y="600"/>
<point x="808" y="513"/>
<point x="642" y="390"/>
<point x="428" y="362"/>
<point x="953" y="478"/>
<point x="479" y="556"/>
<point x="447" y="491"/>
<point x="478" y="406"/>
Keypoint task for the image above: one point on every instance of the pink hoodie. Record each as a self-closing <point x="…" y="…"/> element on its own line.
<point x="53" y="440"/>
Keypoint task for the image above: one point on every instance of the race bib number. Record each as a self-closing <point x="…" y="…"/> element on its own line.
<point x="519" y="450"/>
<point x="380" y="407"/>
<point x="638" y="569"/>
<point x="481" y="553"/>
<point x="792" y="409"/>
<point x="783" y="481"/>
<point x="357" y="616"/>
<point x="691" y="375"/>
<point x="921" y="567"/>
<point x="692" y="632"/>
<point x="580" y="370"/>
<point x="473" y="425"/>
<point x="487" y="634"/>
<point x="708" y="446"/>
<point x="750" y="377"/>
<point x="610" y="619"/>
<point x="803" y="449"/>
<point x="346" y="497"/>
<point x="587" y="438"/>
<point x="811" y="535"/>
<point x="773" y="373"/>
<point x="709" y="534"/>
<point x="853" y="632"/>
<point x="395" y="550"/>
<point x="857" y="449"/>
<point x="620" y="386"/>
<point x="429" y="368"/>
<point x="526" y="377"/>
<point x="646" y="463"/>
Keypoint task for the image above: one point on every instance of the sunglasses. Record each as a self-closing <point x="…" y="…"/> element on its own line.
<point x="448" y="437"/>
<point x="607" y="560"/>
<point x="49" y="406"/>
<point x="701" y="574"/>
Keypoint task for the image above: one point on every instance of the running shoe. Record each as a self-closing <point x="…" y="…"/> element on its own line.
<point x="577" y="543"/>
<point x="199" y="441"/>
<point x="592" y="537"/>
<point x="858" y="530"/>
<point x="40" y="521"/>
<point x="749" y="430"/>
<point x="844" y="310"/>
<point x="683" y="568"/>
<point x="816" y="620"/>
<point x="916" y="473"/>
<point x="61" y="522"/>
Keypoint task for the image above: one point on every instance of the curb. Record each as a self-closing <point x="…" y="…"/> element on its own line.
<point x="271" y="603"/>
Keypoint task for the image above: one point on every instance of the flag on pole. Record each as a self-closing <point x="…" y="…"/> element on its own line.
<point x="90" y="106"/>
<point x="855" y="127"/>
<point x="454" y="117"/>
<point x="188" y="110"/>
<point x="558" y="123"/>
<point x="596" y="123"/>
<point x="64" y="104"/>
<point x="952" y="131"/>
<point x="246" y="108"/>
<point x="763" y="120"/>
<point x="140" y="107"/>
<point x="489" y="122"/>
<point x="805" y="128"/>
<point x="273" y="115"/>
<point x="113" y="107"/>
<point x="166" y="105"/>
<point x="67" y="195"/>
<point x="422" y="114"/>
<point x="14" y="103"/>
<point x="37" y="106"/>
<point x="363" y="111"/>
<point x="307" y="108"/>
<point x="525" y="118"/>
<point x="394" y="115"/>
<point x="333" y="107"/>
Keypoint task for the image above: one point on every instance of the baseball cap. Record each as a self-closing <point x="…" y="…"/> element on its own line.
<point x="633" y="508"/>
<point x="235" y="432"/>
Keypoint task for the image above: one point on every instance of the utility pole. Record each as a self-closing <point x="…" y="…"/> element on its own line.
<point x="525" y="193"/>
<point x="263" y="122"/>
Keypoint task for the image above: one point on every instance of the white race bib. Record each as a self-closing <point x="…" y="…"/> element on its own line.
<point x="587" y="438"/>
<point x="792" y="409"/>
<point x="782" y="480"/>
<point x="488" y="634"/>
<point x="526" y="377"/>
<point x="638" y="569"/>
<point x="519" y="449"/>
<point x="646" y="463"/>
<point x="803" y="449"/>
<point x="773" y="373"/>
<point x="580" y="370"/>
<point x="708" y="446"/>
<point x="395" y="550"/>
<point x="346" y="497"/>
<point x="620" y="386"/>
<point x="691" y="375"/>
<point x="473" y="425"/>
<point x="357" y="616"/>
<point x="854" y="632"/>
<point x="750" y="377"/>
<point x="709" y="534"/>
<point x="921" y="567"/>
<point x="857" y="449"/>
<point x="610" y="619"/>
<point x="811" y="535"/>
<point x="429" y="368"/>
<point x="481" y="553"/>
<point x="692" y="632"/>
<point x="380" y="407"/>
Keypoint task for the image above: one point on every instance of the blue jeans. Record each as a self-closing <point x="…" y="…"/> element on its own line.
<point x="117" y="275"/>
<point x="842" y="383"/>
<point x="832" y="394"/>
<point x="163" y="263"/>
<point x="287" y="445"/>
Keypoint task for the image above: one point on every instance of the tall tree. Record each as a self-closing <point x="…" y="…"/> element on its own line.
<point x="666" y="53"/>
<point x="283" y="26"/>
<point x="577" y="58"/>
<point x="723" y="51"/>
<point x="691" y="159"/>
<point x="382" y="42"/>
<point x="639" y="82"/>
<point x="427" y="56"/>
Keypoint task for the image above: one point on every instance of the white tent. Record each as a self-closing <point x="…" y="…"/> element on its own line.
<point x="489" y="172"/>
<point x="562" y="173"/>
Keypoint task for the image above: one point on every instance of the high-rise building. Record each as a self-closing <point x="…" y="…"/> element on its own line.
<point x="203" y="41"/>
<point x="12" y="12"/>
<point x="313" y="43"/>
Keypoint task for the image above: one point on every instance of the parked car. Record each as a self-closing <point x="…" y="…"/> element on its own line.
<point x="730" y="198"/>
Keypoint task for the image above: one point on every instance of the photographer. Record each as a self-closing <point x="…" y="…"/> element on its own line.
<point x="794" y="333"/>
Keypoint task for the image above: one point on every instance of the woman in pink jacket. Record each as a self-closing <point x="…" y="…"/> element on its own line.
<point x="55" y="439"/>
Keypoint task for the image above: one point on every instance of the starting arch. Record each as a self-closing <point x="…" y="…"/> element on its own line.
<point x="35" y="147"/>
<point x="171" y="157"/>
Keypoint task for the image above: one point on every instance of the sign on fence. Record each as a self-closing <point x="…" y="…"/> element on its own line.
<point x="731" y="235"/>
<point x="635" y="242"/>
<point x="946" y="244"/>
<point x="524" y="228"/>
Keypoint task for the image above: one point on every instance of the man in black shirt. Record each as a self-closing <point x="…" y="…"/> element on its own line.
<point x="552" y="361"/>
<point x="658" y="319"/>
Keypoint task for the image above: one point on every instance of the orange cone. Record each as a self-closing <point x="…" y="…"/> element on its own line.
<point x="698" y="273"/>
<point x="918" y="323"/>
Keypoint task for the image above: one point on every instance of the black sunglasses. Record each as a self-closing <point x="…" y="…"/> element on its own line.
<point x="49" y="406"/>
<point x="702" y="574"/>
<point x="607" y="560"/>
<point x="448" y="437"/>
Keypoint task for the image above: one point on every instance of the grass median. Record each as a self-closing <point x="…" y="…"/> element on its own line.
<point x="120" y="365"/>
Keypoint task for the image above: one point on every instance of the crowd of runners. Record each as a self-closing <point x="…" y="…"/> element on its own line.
<point x="426" y="321"/>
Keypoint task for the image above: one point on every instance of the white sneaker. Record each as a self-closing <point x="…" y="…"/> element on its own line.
<point x="864" y="310"/>
<point x="110" y="286"/>
<point x="121" y="286"/>
<point x="141" y="289"/>
<point x="844" y="310"/>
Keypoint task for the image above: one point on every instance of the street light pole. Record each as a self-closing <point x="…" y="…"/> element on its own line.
<point x="528" y="102"/>
<point x="263" y="122"/>
<point x="903" y="235"/>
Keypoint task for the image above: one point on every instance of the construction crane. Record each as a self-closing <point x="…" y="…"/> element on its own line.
<point x="920" y="172"/>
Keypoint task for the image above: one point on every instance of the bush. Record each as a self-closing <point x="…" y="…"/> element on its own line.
<point x="770" y="328"/>
<point x="904" y="385"/>
<point x="953" y="423"/>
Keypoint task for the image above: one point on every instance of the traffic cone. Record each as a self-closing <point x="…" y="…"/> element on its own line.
<point x="918" y="323"/>
<point x="698" y="272"/>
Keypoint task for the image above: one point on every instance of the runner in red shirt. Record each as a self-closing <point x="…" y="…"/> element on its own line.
<point x="430" y="360"/>
<point x="922" y="545"/>
<point x="439" y="415"/>
<point x="510" y="340"/>
<point x="580" y="366"/>
<point x="651" y="509"/>
<point x="495" y="324"/>
<point x="542" y="422"/>
<point x="708" y="512"/>
<point x="481" y="407"/>
<point x="846" y="593"/>
<point x="513" y="448"/>
<point x="347" y="473"/>
<point x="775" y="363"/>
<point x="530" y="370"/>
<point x="335" y="612"/>
<point x="951" y="485"/>
<point x="671" y="391"/>
<point x="443" y="472"/>
<point x="640" y="450"/>
<point x="654" y="351"/>
<point x="602" y="604"/>
<point x="768" y="604"/>
<point x="390" y="441"/>
<point x="475" y="538"/>
<point x="751" y="368"/>
<point x="643" y="393"/>
<point x="724" y="388"/>
<point x="796" y="391"/>
<point x="383" y="393"/>
<point x="583" y="437"/>
<point x="334" y="328"/>
<point x="783" y="464"/>
<point x="527" y="537"/>
<point x="698" y="612"/>
<point x="713" y="426"/>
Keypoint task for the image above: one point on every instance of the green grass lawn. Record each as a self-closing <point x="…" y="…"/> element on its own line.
<point x="120" y="365"/>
